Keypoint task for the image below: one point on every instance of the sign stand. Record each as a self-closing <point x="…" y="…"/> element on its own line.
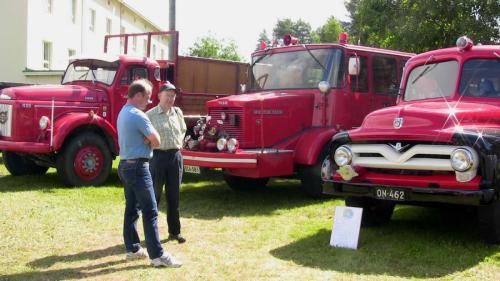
<point x="346" y="227"/>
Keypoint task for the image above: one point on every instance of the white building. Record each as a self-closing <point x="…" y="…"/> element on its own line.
<point x="39" y="36"/>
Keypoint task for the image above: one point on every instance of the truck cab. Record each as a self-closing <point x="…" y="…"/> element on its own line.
<point x="439" y="144"/>
<point x="299" y="96"/>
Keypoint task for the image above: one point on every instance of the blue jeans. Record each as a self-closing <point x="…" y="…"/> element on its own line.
<point x="139" y="196"/>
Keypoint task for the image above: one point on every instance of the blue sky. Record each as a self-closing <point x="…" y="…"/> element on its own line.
<point x="237" y="20"/>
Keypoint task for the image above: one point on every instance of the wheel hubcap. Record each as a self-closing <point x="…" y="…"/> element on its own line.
<point x="89" y="162"/>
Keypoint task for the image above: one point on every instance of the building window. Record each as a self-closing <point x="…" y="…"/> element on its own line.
<point x="122" y="39"/>
<point x="71" y="53"/>
<point x="49" y="6"/>
<point x="109" y="26"/>
<point x="73" y="11"/>
<point x="47" y="54"/>
<point x="162" y="54"/>
<point x="92" y="20"/>
<point x="145" y="47"/>
<point x="134" y="43"/>
<point x="154" y="51"/>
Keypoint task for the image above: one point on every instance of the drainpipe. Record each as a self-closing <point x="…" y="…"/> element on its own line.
<point x="171" y="19"/>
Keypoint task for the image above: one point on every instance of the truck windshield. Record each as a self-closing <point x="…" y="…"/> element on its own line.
<point x="302" y="69"/>
<point x="431" y="80"/>
<point x="481" y="78"/>
<point x="91" y="70"/>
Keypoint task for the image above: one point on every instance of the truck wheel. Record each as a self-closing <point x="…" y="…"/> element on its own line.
<point x="375" y="212"/>
<point x="242" y="183"/>
<point x="18" y="165"/>
<point x="310" y="177"/>
<point x="489" y="222"/>
<point x="85" y="160"/>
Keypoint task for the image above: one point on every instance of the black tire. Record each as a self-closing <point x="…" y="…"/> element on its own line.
<point x="245" y="184"/>
<point x="489" y="222"/>
<point x="85" y="160"/>
<point x="310" y="177"/>
<point x="375" y="212"/>
<point x="19" y="165"/>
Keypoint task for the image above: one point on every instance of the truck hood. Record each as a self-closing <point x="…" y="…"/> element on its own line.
<point x="69" y="93"/>
<point x="256" y="100"/>
<point x="434" y="121"/>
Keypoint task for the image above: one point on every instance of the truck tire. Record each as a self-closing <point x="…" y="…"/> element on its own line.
<point x="19" y="165"/>
<point x="375" y="212"/>
<point x="242" y="183"/>
<point x="310" y="177"/>
<point x="84" y="161"/>
<point x="489" y="222"/>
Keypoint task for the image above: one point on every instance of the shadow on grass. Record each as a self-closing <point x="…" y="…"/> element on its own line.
<point x="76" y="272"/>
<point x="418" y="242"/>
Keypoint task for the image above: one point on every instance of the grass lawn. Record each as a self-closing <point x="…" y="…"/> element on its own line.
<point x="50" y="232"/>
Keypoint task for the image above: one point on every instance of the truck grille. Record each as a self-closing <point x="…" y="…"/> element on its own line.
<point x="234" y="120"/>
<point x="5" y="120"/>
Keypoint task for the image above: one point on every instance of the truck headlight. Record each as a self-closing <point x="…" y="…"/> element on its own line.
<point x="343" y="156"/>
<point x="461" y="159"/>
<point x="232" y="145"/>
<point x="221" y="144"/>
<point x="44" y="122"/>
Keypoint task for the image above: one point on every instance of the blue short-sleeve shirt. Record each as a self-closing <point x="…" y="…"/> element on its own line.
<point x="133" y="126"/>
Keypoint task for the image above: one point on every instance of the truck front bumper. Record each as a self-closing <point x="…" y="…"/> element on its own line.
<point x="413" y="194"/>
<point x="25" y="147"/>
<point x="244" y="163"/>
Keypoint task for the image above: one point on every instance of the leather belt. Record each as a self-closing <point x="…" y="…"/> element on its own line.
<point x="131" y="161"/>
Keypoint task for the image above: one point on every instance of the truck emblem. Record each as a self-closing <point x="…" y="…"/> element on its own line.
<point x="398" y="147"/>
<point x="398" y="122"/>
<point x="3" y="117"/>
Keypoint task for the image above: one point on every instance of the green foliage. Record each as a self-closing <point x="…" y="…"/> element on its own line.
<point x="299" y="29"/>
<point x="419" y="26"/>
<point x="211" y="47"/>
<point x="262" y="37"/>
<point x="329" y="32"/>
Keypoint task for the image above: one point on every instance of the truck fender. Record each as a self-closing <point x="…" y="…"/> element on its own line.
<point x="310" y="144"/>
<point x="66" y="124"/>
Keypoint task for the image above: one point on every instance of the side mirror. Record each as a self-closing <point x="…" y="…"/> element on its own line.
<point x="354" y="66"/>
<point x="324" y="87"/>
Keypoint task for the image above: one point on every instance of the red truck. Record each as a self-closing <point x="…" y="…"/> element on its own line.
<point x="73" y="126"/>
<point x="440" y="143"/>
<point x="299" y="97"/>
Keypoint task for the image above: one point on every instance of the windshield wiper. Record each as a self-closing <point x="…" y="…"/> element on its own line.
<point x="427" y="69"/>
<point x="256" y="61"/>
<point x="315" y="59"/>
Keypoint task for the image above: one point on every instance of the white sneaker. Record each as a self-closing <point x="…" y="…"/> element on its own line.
<point x="140" y="254"/>
<point x="166" y="260"/>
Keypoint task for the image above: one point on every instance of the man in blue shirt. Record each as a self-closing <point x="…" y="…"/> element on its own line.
<point x="137" y="137"/>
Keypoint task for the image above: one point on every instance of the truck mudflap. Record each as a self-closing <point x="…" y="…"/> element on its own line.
<point x="405" y="194"/>
<point x="28" y="147"/>
<point x="245" y="163"/>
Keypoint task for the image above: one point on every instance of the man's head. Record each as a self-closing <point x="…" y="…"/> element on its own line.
<point x="139" y="93"/>
<point x="167" y="95"/>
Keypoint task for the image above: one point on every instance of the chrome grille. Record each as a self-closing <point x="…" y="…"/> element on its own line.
<point x="234" y="130"/>
<point x="5" y="120"/>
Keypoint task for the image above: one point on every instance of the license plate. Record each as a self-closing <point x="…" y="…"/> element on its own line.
<point x="192" y="169"/>
<point x="387" y="193"/>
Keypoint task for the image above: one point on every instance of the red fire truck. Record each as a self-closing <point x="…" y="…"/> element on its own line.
<point x="299" y="97"/>
<point x="439" y="144"/>
<point x="73" y="126"/>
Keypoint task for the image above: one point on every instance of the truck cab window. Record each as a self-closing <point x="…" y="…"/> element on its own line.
<point x="385" y="74"/>
<point x="359" y="83"/>
<point x="134" y="73"/>
<point x="481" y="78"/>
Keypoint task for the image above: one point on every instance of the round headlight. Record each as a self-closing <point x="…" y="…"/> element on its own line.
<point x="461" y="159"/>
<point x="44" y="122"/>
<point x="221" y="144"/>
<point x="232" y="145"/>
<point x="343" y="156"/>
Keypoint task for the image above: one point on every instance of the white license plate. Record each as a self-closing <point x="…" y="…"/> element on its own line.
<point x="192" y="169"/>
<point x="386" y="193"/>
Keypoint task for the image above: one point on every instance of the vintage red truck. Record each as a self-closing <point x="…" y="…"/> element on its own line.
<point x="299" y="96"/>
<point x="440" y="143"/>
<point x="73" y="126"/>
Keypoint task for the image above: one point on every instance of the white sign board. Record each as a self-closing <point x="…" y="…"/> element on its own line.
<point x="346" y="225"/>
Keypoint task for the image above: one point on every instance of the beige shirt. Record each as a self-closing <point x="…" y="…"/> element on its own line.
<point x="170" y="125"/>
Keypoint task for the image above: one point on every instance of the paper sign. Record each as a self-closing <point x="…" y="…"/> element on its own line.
<point x="346" y="225"/>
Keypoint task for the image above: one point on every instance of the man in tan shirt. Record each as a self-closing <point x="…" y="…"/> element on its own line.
<point x="166" y="165"/>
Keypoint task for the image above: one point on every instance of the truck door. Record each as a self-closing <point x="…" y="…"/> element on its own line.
<point x="385" y="81"/>
<point x="131" y="74"/>
<point x="360" y="92"/>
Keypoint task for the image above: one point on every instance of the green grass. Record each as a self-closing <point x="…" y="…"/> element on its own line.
<point x="49" y="232"/>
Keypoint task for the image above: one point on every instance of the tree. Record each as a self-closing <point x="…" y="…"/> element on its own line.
<point x="418" y="26"/>
<point x="299" y="29"/>
<point x="262" y="37"/>
<point x="211" y="47"/>
<point x="329" y="32"/>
